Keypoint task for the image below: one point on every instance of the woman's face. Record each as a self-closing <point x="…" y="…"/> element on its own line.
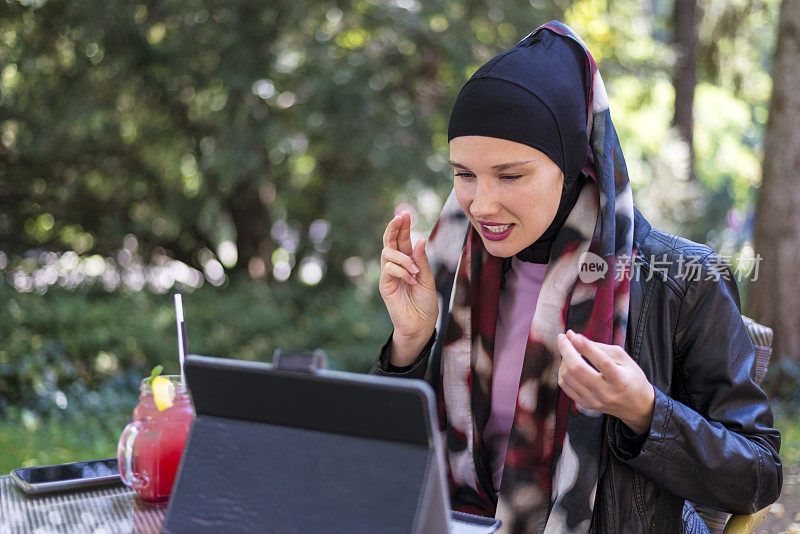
<point x="509" y="191"/>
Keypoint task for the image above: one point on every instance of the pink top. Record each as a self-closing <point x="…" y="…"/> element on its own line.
<point x="514" y="318"/>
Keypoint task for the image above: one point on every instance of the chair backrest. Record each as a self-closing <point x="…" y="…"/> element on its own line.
<point x="761" y="336"/>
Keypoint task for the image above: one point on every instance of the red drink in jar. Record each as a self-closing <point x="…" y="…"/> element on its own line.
<point x="151" y="446"/>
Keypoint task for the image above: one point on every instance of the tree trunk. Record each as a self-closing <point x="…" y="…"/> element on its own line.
<point x="684" y="77"/>
<point x="251" y="220"/>
<point x="772" y="297"/>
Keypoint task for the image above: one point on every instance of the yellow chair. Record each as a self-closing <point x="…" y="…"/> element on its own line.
<point x="722" y="522"/>
<point x="745" y="524"/>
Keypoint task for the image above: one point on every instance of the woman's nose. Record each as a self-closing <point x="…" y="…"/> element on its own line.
<point x="484" y="202"/>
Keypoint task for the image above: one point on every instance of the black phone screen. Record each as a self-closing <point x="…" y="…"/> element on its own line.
<point x="73" y="471"/>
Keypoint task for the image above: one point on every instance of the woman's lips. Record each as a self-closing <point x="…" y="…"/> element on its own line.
<point x="496" y="232"/>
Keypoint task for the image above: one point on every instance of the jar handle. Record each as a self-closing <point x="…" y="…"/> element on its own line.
<point x="125" y="455"/>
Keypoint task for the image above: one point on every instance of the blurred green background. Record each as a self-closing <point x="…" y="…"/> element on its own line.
<point x="249" y="154"/>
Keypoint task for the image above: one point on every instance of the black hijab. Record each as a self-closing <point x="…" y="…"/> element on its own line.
<point x="536" y="96"/>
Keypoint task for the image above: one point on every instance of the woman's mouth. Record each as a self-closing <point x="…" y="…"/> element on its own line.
<point x="496" y="231"/>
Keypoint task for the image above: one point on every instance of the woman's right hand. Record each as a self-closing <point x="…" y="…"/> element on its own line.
<point x="408" y="291"/>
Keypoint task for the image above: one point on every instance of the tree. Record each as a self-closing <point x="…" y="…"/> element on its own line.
<point x="684" y="77"/>
<point x="197" y="123"/>
<point x="772" y="297"/>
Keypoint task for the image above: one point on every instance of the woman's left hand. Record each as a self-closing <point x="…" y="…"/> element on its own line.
<point x="616" y="385"/>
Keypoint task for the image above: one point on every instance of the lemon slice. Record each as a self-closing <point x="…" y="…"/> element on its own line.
<point x="163" y="392"/>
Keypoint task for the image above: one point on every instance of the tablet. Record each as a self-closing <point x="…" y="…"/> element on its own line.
<point x="276" y="450"/>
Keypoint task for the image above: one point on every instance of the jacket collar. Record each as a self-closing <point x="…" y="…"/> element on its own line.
<point x="641" y="228"/>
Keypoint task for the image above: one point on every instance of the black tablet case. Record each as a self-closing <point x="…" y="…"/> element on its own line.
<point x="275" y="450"/>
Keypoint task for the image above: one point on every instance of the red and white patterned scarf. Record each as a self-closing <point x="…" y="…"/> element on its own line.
<point x="554" y="453"/>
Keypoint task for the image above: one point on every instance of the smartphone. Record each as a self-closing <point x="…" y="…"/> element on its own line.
<point x="60" y="477"/>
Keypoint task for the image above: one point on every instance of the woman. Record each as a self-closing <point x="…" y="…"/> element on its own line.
<point x="586" y="379"/>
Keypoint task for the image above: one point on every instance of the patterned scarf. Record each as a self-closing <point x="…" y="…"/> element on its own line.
<point x="555" y="450"/>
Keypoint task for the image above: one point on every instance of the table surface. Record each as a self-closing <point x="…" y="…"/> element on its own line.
<point x="109" y="509"/>
<point x="103" y="510"/>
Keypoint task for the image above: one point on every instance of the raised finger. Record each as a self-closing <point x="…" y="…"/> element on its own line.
<point x="396" y="271"/>
<point x="395" y="256"/>
<point x="404" y="237"/>
<point x="391" y="232"/>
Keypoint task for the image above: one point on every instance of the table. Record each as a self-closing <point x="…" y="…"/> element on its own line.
<point x="109" y="509"/>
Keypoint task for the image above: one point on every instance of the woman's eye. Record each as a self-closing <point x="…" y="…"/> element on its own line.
<point x="509" y="177"/>
<point x="505" y="177"/>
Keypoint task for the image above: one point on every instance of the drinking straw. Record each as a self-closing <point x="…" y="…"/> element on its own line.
<point x="183" y="344"/>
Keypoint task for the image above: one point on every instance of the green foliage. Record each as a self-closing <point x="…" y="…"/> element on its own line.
<point x="789" y="427"/>
<point x="60" y="346"/>
<point x="71" y="361"/>
<point x="218" y="134"/>
<point x="27" y="440"/>
<point x="65" y="425"/>
<point x="781" y="383"/>
<point x="196" y="124"/>
<point x="632" y="42"/>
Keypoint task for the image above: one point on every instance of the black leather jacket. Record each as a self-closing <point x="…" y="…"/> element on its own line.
<point x="711" y="440"/>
